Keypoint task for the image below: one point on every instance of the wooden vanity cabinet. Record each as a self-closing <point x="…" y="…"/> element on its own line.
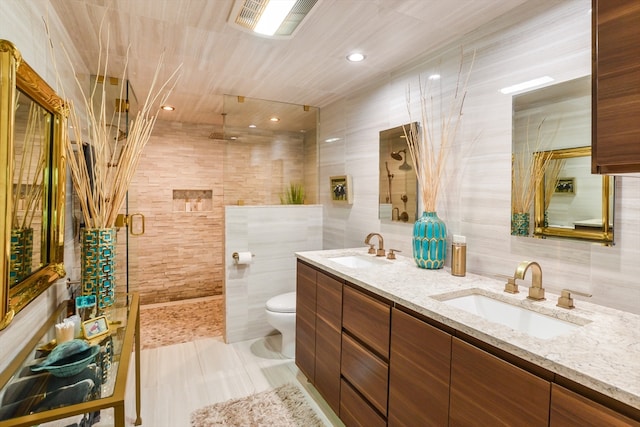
<point x="365" y="355"/>
<point x="486" y="390"/>
<point x="616" y="86"/>
<point x="377" y="363"/>
<point x="319" y="331"/>
<point x="569" y="409"/>
<point x="419" y="372"/>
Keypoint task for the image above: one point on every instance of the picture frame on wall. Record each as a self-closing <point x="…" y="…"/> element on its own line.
<point x="565" y="186"/>
<point x="341" y="189"/>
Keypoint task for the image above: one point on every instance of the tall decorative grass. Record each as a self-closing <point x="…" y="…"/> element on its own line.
<point x="101" y="184"/>
<point x="28" y="175"/>
<point x="293" y="195"/>
<point x="526" y="176"/>
<point x="430" y="145"/>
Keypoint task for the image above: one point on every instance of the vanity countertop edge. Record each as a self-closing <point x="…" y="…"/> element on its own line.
<point x="603" y="354"/>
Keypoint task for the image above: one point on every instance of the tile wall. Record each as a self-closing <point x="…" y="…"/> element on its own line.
<point x="536" y="39"/>
<point x="180" y="254"/>
<point x="272" y="234"/>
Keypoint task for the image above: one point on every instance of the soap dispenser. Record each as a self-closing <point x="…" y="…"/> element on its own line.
<point x="459" y="255"/>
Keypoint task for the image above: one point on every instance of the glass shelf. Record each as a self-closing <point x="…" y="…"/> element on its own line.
<point x="28" y="398"/>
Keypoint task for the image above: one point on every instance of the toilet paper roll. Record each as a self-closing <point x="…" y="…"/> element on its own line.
<point x="244" y="258"/>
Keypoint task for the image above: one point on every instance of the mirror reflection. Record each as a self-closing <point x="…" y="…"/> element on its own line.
<point x="398" y="195"/>
<point x="553" y="191"/>
<point x="31" y="144"/>
<point x="570" y="201"/>
<point x="32" y="123"/>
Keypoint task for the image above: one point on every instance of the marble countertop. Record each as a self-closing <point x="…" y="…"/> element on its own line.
<point x="602" y="354"/>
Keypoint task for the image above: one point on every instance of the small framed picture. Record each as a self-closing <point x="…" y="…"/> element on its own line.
<point x="95" y="327"/>
<point x="565" y="186"/>
<point x="340" y="187"/>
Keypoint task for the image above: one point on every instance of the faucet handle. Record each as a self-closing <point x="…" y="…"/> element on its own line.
<point x="565" y="300"/>
<point x="372" y="250"/>
<point x="511" y="286"/>
<point x="392" y="253"/>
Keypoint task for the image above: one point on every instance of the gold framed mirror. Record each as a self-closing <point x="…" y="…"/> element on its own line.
<point x="565" y="199"/>
<point x="32" y="123"/>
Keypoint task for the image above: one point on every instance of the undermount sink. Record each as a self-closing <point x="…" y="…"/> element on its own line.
<point x="358" y="261"/>
<point x="519" y="318"/>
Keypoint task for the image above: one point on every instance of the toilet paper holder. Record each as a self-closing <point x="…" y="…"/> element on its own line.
<point x="236" y="256"/>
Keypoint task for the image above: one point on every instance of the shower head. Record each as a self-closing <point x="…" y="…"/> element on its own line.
<point x="396" y="154"/>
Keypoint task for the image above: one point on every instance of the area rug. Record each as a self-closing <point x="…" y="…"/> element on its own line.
<point x="284" y="406"/>
<point x="181" y="322"/>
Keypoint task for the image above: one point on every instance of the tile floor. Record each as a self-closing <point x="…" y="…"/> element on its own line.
<point x="178" y="378"/>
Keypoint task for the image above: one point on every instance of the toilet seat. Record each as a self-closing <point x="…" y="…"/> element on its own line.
<point x="285" y="303"/>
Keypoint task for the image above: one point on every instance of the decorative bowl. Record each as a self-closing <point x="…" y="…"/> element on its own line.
<point x="68" y="359"/>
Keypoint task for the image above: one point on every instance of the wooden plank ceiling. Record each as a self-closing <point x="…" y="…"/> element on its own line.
<point x="219" y="59"/>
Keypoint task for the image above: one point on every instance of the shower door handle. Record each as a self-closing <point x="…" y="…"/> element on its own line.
<point x="134" y="225"/>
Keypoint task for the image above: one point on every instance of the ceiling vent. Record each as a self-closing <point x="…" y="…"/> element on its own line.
<point x="246" y="14"/>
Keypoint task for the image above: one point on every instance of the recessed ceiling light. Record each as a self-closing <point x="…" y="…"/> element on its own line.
<point x="168" y="107"/>
<point x="332" y="140"/>
<point x="526" y="85"/>
<point x="434" y="77"/>
<point x="274" y="119"/>
<point x="252" y="126"/>
<point x="355" y="57"/>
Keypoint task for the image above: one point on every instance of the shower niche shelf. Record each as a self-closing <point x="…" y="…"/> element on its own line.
<point x="192" y="200"/>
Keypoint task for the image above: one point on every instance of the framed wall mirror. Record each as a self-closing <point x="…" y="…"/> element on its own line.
<point x="32" y="122"/>
<point x="398" y="189"/>
<point x="551" y="175"/>
<point x="570" y="201"/>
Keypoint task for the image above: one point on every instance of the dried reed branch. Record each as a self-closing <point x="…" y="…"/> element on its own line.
<point x="551" y="180"/>
<point x="27" y="178"/>
<point x="102" y="184"/>
<point x="429" y="147"/>
<point x="525" y="176"/>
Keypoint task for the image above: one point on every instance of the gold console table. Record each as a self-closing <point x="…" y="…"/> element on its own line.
<point x="124" y="334"/>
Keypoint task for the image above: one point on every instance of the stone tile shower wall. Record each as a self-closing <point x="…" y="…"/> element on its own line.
<point x="259" y="165"/>
<point x="180" y="254"/>
<point x="182" y="184"/>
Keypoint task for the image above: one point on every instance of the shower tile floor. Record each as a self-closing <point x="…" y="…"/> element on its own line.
<point x="181" y="321"/>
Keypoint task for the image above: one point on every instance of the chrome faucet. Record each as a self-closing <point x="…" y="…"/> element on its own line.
<point x="536" y="291"/>
<point x="372" y="250"/>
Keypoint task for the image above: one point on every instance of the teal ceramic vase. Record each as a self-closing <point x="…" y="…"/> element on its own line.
<point x="520" y="224"/>
<point x="429" y="241"/>
<point x="98" y="269"/>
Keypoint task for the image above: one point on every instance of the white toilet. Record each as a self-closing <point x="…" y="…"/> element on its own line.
<point x="281" y="314"/>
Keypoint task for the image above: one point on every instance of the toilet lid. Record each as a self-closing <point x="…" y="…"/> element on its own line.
<point x="285" y="303"/>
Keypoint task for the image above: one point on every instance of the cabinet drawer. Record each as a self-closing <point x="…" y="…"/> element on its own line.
<point x="571" y="409"/>
<point x="366" y="372"/>
<point x="355" y="411"/>
<point x="368" y="319"/>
